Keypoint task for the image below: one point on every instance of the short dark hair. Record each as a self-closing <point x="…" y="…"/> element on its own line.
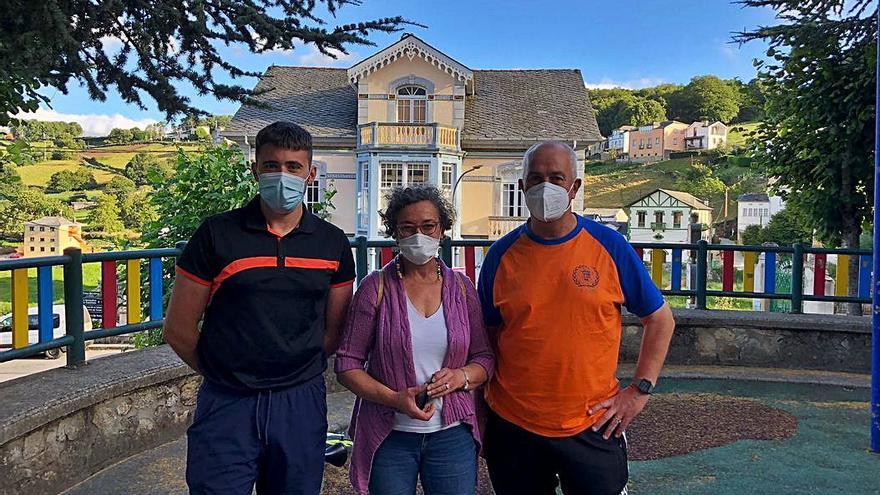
<point x="401" y="197"/>
<point x="284" y="135"/>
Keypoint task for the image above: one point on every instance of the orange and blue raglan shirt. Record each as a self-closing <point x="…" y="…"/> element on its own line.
<point x="556" y="304"/>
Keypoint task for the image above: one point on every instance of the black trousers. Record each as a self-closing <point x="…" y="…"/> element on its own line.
<point x="523" y="463"/>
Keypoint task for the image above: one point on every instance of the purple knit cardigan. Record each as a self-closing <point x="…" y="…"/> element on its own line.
<point x="378" y="339"/>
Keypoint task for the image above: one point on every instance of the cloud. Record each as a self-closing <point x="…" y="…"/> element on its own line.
<point x="606" y="83"/>
<point x="93" y="124"/>
<point x="314" y="58"/>
<point x="729" y="51"/>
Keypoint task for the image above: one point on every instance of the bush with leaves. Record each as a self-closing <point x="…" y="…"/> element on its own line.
<point x="120" y="187"/>
<point x="20" y="204"/>
<point x="78" y="179"/>
<point x="145" y="168"/>
<point x="105" y="216"/>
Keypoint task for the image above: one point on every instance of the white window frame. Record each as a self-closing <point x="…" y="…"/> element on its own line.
<point x="513" y="201"/>
<point x="447" y="177"/>
<point x="412" y="103"/>
<point x="364" y="196"/>
<point x="405" y="177"/>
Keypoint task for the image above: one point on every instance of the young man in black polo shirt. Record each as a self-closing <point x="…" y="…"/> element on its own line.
<point x="273" y="282"/>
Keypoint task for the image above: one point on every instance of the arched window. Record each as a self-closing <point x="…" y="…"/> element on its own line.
<point x="412" y="104"/>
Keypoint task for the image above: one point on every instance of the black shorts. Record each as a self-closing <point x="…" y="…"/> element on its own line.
<point x="523" y="463"/>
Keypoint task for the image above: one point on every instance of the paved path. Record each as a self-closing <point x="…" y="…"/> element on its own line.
<point x="829" y="453"/>
<point x="23" y="367"/>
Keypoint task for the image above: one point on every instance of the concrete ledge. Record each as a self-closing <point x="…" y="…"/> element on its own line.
<point x="754" y="339"/>
<point x="61" y="426"/>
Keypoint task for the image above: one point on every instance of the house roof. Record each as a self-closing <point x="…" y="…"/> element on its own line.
<point x="687" y="198"/>
<point x="507" y="105"/>
<point x="51" y="222"/>
<point x="319" y="99"/>
<point x="757" y="197"/>
<point x="409" y="45"/>
<point x="529" y="105"/>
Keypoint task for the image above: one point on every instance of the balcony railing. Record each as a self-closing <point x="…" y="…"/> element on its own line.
<point x="501" y="226"/>
<point x="658" y="227"/>
<point x="393" y="135"/>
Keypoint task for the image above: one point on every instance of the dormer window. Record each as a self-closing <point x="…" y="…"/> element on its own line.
<point x="412" y="105"/>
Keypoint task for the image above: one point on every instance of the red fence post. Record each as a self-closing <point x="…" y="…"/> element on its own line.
<point x="470" y="263"/>
<point x="387" y="255"/>
<point x="819" y="275"/>
<point x="727" y="272"/>
<point x="109" y="314"/>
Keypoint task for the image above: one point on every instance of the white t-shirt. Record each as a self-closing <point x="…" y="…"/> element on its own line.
<point x="429" y="344"/>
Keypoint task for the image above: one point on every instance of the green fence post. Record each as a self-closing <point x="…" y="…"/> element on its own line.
<point x="360" y="257"/>
<point x="73" y="306"/>
<point x="446" y="251"/>
<point x="797" y="279"/>
<point x="702" y="256"/>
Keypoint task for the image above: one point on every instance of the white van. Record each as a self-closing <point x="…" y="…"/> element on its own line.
<point x="59" y="328"/>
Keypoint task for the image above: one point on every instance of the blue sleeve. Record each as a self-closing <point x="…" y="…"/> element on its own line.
<point x="641" y="297"/>
<point x="486" y="280"/>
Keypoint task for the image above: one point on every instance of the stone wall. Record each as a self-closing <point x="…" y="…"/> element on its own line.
<point x="776" y="340"/>
<point x="63" y="425"/>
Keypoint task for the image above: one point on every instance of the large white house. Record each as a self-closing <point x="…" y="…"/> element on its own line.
<point x="705" y="136"/>
<point x="619" y="140"/>
<point x="756" y="209"/>
<point x="665" y="216"/>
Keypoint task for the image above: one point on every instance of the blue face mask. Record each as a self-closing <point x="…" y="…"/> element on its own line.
<point x="282" y="192"/>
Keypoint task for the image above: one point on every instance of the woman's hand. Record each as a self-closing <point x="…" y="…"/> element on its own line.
<point x="405" y="403"/>
<point x="445" y="382"/>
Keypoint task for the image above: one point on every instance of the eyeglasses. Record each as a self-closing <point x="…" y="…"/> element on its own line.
<point x="427" y="228"/>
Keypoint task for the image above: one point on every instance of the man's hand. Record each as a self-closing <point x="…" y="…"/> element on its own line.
<point x="621" y="410"/>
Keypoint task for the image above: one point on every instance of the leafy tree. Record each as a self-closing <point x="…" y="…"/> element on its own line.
<point x="145" y="168"/>
<point x="9" y="178"/>
<point x="155" y="46"/>
<point x="640" y="111"/>
<point x="137" y="211"/>
<point x="120" y="136"/>
<point x="203" y="133"/>
<point x="660" y="93"/>
<point x="617" y="107"/>
<point x="19" y="153"/>
<point x="817" y="138"/>
<point x="71" y="180"/>
<point x="216" y="180"/>
<point x="707" y="98"/>
<point x="751" y="101"/>
<point x="137" y="134"/>
<point x="701" y="181"/>
<point x="105" y="216"/>
<point x="785" y="228"/>
<point x="19" y="205"/>
<point x="120" y="187"/>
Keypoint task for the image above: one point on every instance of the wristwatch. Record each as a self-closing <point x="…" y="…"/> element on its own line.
<point x="644" y="386"/>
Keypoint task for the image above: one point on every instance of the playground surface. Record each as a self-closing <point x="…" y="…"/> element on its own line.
<point x="698" y="436"/>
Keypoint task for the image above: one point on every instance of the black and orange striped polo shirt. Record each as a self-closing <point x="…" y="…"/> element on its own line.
<point x="264" y="325"/>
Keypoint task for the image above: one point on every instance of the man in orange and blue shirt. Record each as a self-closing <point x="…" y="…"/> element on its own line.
<point x="551" y="292"/>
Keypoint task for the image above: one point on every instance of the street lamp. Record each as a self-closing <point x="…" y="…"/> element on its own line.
<point x="475" y="167"/>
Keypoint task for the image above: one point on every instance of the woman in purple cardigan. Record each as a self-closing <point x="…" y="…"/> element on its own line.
<point x="413" y="350"/>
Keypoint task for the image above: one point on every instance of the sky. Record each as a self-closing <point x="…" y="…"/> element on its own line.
<point x="630" y="44"/>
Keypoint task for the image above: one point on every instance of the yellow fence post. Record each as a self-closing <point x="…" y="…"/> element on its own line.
<point x="657" y="256"/>
<point x="841" y="281"/>
<point x="19" y="308"/>
<point x="749" y="259"/>
<point x="133" y="291"/>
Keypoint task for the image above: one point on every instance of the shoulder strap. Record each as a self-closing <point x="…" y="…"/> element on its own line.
<point x="380" y="291"/>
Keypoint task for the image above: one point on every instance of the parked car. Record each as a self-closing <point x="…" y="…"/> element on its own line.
<point x="59" y="328"/>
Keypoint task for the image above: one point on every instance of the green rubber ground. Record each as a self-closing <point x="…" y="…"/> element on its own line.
<point x="828" y="455"/>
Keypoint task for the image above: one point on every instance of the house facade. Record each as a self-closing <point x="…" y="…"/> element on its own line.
<point x="705" y="136"/>
<point x="755" y="209"/>
<point x="666" y="216"/>
<point x="654" y="142"/>
<point x="50" y="236"/>
<point x="411" y="114"/>
<point x="619" y="141"/>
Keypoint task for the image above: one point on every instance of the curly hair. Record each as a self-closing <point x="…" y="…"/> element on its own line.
<point x="401" y="197"/>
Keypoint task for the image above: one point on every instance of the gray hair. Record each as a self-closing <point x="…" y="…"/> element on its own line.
<point x="527" y="158"/>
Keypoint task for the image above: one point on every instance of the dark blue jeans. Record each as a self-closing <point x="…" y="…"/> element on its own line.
<point x="445" y="461"/>
<point x="274" y="440"/>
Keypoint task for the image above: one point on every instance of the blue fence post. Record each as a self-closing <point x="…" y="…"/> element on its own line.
<point x="769" y="273"/>
<point x="44" y="304"/>
<point x="155" y="289"/>
<point x="865" y="268"/>
<point x="875" y="340"/>
<point x="675" y="279"/>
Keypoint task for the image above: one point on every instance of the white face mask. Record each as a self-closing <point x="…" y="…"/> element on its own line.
<point x="547" y="202"/>
<point x="419" y="248"/>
